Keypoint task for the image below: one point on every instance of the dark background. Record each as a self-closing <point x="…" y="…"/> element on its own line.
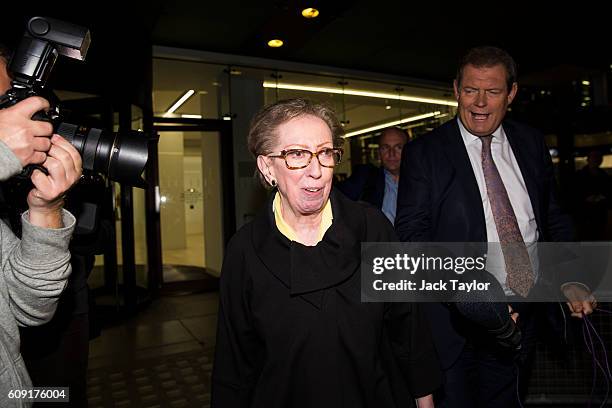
<point x="549" y="42"/>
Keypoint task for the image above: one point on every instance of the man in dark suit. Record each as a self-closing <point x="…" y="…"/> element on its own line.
<point x="480" y="178"/>
<point x="378" y="186"/>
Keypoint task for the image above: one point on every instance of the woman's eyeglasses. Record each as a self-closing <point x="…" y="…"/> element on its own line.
<point x="299" y="158"/>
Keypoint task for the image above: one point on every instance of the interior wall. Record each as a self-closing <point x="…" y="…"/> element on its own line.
<point x="194" y="200"/>
<point x="171" y="184"/>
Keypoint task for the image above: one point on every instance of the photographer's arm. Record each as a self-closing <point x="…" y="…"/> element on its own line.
<point x="40" y="266"/>
<point x="35" y="268"/>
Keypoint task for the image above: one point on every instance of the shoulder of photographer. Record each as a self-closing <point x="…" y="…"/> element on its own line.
<point x="23" y="140"/>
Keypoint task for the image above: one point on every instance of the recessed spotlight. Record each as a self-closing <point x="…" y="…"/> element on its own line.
<point x="388" y="107"/>
<point x="235" y="71"/>
<point x="586" y="83"/>
<point x="310" y="12"/>
<point x="275" y="43"/>
<point x="202" y="92"/>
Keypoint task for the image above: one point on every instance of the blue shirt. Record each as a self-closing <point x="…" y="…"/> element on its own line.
<point x="389" y="204"/>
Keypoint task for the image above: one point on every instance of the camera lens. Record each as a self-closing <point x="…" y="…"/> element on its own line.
<point x="121" y="157"/>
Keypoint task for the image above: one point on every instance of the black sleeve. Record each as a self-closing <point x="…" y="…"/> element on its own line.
<point x="407" y="329"/>
<point x="413" y="217"/>
<point x="412" y="347"/>
<point x="354" y="186"/>
<point x="379" y="227"/>
<point x="238" y="350"/>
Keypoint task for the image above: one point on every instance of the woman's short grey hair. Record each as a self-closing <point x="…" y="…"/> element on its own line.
<point x="263" y="130"/>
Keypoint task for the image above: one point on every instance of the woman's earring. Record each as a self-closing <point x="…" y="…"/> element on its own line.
<point x="273" y="183"/>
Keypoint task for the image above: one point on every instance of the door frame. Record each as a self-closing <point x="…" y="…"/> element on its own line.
<point x="154" y="244"/>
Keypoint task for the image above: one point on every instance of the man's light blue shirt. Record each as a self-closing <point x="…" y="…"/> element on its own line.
<point x="389" y="204"/>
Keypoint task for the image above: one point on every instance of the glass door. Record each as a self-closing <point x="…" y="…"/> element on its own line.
<point x="190" y="198"/>
<point x="193" y="186"/>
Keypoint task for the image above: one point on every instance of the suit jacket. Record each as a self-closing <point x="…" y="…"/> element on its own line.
<point x="439" y="201"/>
<point x="293" y="332"/>
<point x="366" y="183"/>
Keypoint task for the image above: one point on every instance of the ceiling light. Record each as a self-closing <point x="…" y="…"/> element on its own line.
<point x="275" y="43"/>
<point x="586" y="83"/>
<point x="388" y="107"/>
<point x="356" y="92"/>
<point x="179" y="102"/>
<point x="394" y="123"/>
<point x="202" y="92"/>
<point x="189" y="116"/>
<point x="310" y="12"/>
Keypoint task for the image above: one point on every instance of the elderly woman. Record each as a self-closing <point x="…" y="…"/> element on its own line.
<point x="292" y="330"/>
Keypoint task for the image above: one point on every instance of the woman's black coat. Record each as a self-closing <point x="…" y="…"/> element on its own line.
<point x="293" y="331"/>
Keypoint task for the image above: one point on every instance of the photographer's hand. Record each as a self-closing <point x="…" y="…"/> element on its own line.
<point x="46" y="200"/>
<point x="27" y="138"/>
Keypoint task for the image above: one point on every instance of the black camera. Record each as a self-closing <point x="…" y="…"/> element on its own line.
<point x="121" y="157"/>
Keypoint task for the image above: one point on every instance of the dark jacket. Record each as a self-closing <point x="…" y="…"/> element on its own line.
<point x="439" y="201"/>
<point x="366" y="183"/>
<point x="293" y="331"/>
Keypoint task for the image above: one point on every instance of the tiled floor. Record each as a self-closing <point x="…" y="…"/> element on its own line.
<point x="162" y="357"/>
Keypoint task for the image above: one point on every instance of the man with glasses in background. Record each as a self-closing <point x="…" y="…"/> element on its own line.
<point x="378" y="186"/>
